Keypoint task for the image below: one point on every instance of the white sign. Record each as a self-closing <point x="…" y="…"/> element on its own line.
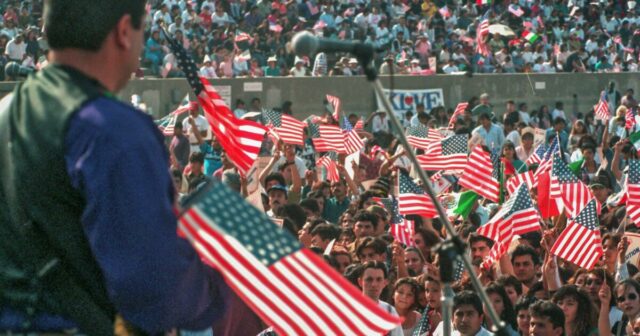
<point x="541" y="85"/>
<point x="403" y="100"/>
<point x="252" y="87"/>
<point x="225" y="93"/>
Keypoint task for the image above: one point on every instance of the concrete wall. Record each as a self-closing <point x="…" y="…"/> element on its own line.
<point x="579" y="92"/>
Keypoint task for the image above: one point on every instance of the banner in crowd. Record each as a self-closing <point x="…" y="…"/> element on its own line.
<point x="633" y="252"/>
<point x="403" y="100"/>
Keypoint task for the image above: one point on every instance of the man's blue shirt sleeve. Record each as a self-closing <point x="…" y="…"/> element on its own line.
<point x="116" y="158"/>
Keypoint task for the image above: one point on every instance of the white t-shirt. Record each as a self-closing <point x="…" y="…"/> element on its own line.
<point x="202" y="124"/>
<point x="16" y="51"/>
<point x="514" y="137"/>
<point x="302" y="168"/>
<point x="440" y="331"/>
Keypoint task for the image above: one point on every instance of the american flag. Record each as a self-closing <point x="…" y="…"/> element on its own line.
<point x="424" y="325"/>
<point x="633" y="191"/>
<point x="547" y="159"/>
<point x="567" y="186"/>
<point x="412" y="200"/>
<point x="580" y="242"/>
<point x="458" y="112"/>
<point x="241" y="139"/>
<point x="421" y="136"/>
<point x="478" y="175"/>
<point x="482" y="31"/>
<point x="629" y="119"/>
<point x="515" y="181"/>
<point x="352" y="141"/>
<point x="331" y="139"/>
<point x="288" y="286"/>
<point x="536" y="156"/>
<point x="402" y="229"/>
<point x="167" y="124"/>
<point x="289" y="129"/>
<point x="448" y="154"/>
<point x="359" y="124"/>
<point x="516" y="217"/>
<point x="337" y="106"/>
<point x="602" y="108"/>
<point x="328" y="161"/>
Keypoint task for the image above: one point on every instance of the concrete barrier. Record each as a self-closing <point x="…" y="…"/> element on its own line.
<point x="579" y="92"/>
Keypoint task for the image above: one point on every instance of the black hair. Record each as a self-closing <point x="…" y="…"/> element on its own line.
<point x="378" y="245"/>
<point x="559" y="120"/>
<point x="310" y="204"/>
<point x="586" y="315"/>
<point x="326" y="231"/>
<point x="196" y="157"/>
<point x="275" y="177"/>
<point x="293" y="212"/>
<point x="512" y="281"/>
<point x="527" y="136"/>
<point x="366" y="216"/>
<point x="550" y="310"/>
<point x="508" y="314"/>
<point x="524" y="303"/>
<point x="374" y="265"/>
<point x="474" y="238"/>
<point x="523" y="250"/>
<point x="85" y="24"/>
<point x="467" y="298"/>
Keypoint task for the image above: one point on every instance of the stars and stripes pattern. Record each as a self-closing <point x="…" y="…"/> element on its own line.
<point x="424" y="325"/>
<point x="482" y="31"/>
<point x="330" y="138"/>
<point x="288" y="129"/>
<point x="421" y="136"/>
<point x="336" y="104"/>
<point x="289" y="287"/>
<point x="602" y="108"/>
<point x="167" y="124"/>
<point x="536" y="156"/>
<point x="401" y="229"/>
<point x="566" y="186"/>
<point x="514" y="182"/>
<point x="412" y="200"/>
<point x="352" y="141"/>
<point x="580" y="242"/>
<point x="448" y="154"/>
<point x="633" y="191"/>
<point x="241" y="139"/>
<point x="629" y="119"/>
<point x="546" y="161"/>
<point x="458" y="112"/>
<point x="328" y="161"/>
<point x="516" y="217"/>
<point x="359" y="125"/>
<point x="478" y="175"/>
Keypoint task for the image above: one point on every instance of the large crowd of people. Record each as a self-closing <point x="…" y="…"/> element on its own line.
<point x="533" y="291"/>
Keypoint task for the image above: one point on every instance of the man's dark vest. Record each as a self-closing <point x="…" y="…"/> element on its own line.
<point x="41" y="236"/>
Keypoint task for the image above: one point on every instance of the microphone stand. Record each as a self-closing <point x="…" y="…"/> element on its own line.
<point x="451" y="248"/>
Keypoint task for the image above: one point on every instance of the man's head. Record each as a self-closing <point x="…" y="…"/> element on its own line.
<point x="525" y="263"/>
<point x="365" y="224"/>
<point x="485" y="120"/>
<point x="277" y="196"/>
<point x="547" y="319"/>
<point x="371" y="249"/>
<point x="484" y="99"/>
<point x="373" y="279"/>
<point x="197" y="161"/>
<point x="527" y="140"/>
<point x="600" y="186"/>
<point x="322" y="235"/>
<point x="559" y="124"/>
<point x="480" y="246"/>
<point x="467" y="313"/>
<point x="177" y="130"/>
<point x="113" y="29"/>
<point x="339" y="189"/>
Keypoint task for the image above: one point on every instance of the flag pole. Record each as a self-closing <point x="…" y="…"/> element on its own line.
<point x="499" y="326"/>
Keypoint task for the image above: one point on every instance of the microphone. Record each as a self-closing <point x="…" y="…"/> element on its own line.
<point x="305" y="44"/>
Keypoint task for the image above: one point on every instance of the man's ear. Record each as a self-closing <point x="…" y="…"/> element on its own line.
<point x="123" y="32"/>
<point x="360" y="282"/>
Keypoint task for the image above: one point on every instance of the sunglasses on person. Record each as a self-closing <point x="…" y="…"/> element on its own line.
<point x="630" y="297"/>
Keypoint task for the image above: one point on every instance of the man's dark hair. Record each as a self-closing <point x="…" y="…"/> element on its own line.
<point x="510" y="280"/>
<point x="524" y="303"/>
<point x="275" y="177"/>
<point x="85" y="24"/>
<point x="310" y="204"/>
<point x="523" y="250"/>
<point x="467" y="298"/>
<point x="559" y="120"/>
<point x="550" y="310"/>
<point x="366" y="216"/>
<point x="378" y="245"/>
<point x="484" y="115"/>
<point x="474" y="238"/>
<point x="293" y="212"/>
<point x="326" y="231"/>
<point x="375" y="265"/>
<point x="527" y="136"/>
<point x="196" y="157"/>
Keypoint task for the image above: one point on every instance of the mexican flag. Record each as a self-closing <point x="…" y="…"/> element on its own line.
<point x="529" y="36"/>
<point x="635" y="140"/>
<point x="483" y="2"/>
